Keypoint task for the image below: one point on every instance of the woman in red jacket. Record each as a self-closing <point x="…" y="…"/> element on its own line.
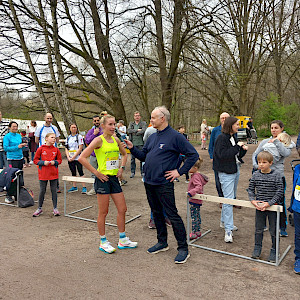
<point x="48" y="157"/>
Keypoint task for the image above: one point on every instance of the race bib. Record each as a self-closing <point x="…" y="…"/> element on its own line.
<point x="72" y="153"/>
<point x="112" y="163"/>
<point x="297" y="192"/>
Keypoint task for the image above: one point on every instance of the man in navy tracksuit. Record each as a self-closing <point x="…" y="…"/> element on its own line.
<point x="161" y="153"/>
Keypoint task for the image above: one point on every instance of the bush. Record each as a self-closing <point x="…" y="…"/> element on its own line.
<point x="271" y="109"/>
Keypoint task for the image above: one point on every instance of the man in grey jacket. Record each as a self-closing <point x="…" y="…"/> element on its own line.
<point x="136" y="130"/>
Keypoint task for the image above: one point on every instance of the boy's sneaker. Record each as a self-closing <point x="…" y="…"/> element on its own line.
<point x="223" y="226"/>
<point x="83" y="191"/>
<point x="9" y="200"/>
<point x="283" y="233"/>
<point x="272" y="256"/>
<point x="123" y="182"/>
<point x="73" y="189"/>
<point x="266" y="228"/>
<point x="159" y="247"/>
<point x="56" y="213"/>
<point x="256" y="252"/>
<point x="38" y="212"/>
<point x="125" y="243"/>
<point x="297" y="266"/>
<point x="106" y="247"/>
<point x="176" y="180"/>
<point x="151" y="224"/>
<point x="193" y="236"/>
<point x="198" y="233"/>
<point x="182" y="256"/>
<point x="31" y="162"/>
<point x="228" y="237"/>
<point x="91" y="192"/>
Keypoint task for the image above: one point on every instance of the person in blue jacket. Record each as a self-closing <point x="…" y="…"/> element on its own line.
<point x="298" y="144"/>
<point x="12" y="144"/>
<point x="295" y="209"/>
<point x="161" y="153"/>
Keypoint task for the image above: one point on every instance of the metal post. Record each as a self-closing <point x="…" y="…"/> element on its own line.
<point x="18" y="188"/>
<point x="65" y="198"/>
<point x="188" y="220"/>
<point x="130" y="220"/>
<point x="277" y="236"/>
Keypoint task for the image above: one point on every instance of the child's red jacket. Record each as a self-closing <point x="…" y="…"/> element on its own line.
<point x="48" y="153"/>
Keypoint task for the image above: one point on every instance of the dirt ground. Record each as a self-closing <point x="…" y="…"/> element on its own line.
<point x="58" y="258"/>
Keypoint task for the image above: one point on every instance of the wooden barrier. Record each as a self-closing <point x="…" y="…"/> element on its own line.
<point x="243" y="203"/>
<point x="71" y="214"/>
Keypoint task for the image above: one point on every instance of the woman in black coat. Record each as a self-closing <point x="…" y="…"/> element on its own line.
<point x="227" y="157"/>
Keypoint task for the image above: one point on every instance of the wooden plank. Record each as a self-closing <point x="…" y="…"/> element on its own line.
<point x="78" y="179"/>
<point x="244" y="203"/>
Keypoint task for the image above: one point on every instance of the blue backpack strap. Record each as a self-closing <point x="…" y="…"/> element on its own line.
<point x="40" y="140"/>
<point x="40" y="143"/>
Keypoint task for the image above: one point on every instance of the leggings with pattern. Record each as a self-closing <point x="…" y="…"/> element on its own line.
<point x="196" y="218"/>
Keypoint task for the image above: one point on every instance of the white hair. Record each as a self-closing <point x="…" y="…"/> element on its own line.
<point x="163" y="111"/>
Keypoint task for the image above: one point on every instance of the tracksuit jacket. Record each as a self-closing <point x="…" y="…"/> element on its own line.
<point x="161" y="153"/>
<point x="47" y="153"/>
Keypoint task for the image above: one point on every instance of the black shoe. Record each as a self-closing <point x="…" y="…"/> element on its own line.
<point x="182" y="256"/>
<point x="132" y="175"/>
<point x="256" y="252"/>
<point x="159" y="247"/>
<point x="272" y="256"/>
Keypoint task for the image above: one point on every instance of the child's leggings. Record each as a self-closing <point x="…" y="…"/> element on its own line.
<point x="196" y="218"/>
<point x="53" y="188"/>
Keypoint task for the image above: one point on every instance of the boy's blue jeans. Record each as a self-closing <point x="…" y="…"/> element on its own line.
<point x="229" y="184"/>
<point x="151" y="215"/>
<point x="297" y="235"/>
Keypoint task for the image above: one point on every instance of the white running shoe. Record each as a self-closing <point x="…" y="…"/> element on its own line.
<point x="9" y="200"/>
<point x="91" y="192"/>
<point x="106" y="247"/>
<point x="234" y="227"/>
<point x="31" y="162"/>
<point x="228" y="237"/>
<point x="125" y="243"/>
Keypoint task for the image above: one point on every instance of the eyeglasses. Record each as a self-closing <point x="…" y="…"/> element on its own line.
<point x="161" y="111"/>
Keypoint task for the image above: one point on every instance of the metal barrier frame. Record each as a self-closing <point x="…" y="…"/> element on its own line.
<point x="244" y="203"/>
<point x="18" y="192"/>
<point x="71" y="214"/>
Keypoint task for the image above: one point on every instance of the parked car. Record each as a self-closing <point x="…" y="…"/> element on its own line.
<point x="242" y="134"/>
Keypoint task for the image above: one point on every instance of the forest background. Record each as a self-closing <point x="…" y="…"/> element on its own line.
<point x="198" y="58"/>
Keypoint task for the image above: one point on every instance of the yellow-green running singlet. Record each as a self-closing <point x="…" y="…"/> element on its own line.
<point x="108" y="157"/>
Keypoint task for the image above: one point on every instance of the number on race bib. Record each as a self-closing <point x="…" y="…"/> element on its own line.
<point x="112" y="164"/>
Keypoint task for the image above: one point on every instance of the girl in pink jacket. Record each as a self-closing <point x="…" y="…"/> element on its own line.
<point x="195" y="186"/>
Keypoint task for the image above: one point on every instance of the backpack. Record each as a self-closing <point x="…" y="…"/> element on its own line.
<point x="67" y="142"/>
<point x="25" y="197"/>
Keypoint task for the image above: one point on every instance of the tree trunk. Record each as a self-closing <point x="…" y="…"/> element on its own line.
<point x="33" y="73"/>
